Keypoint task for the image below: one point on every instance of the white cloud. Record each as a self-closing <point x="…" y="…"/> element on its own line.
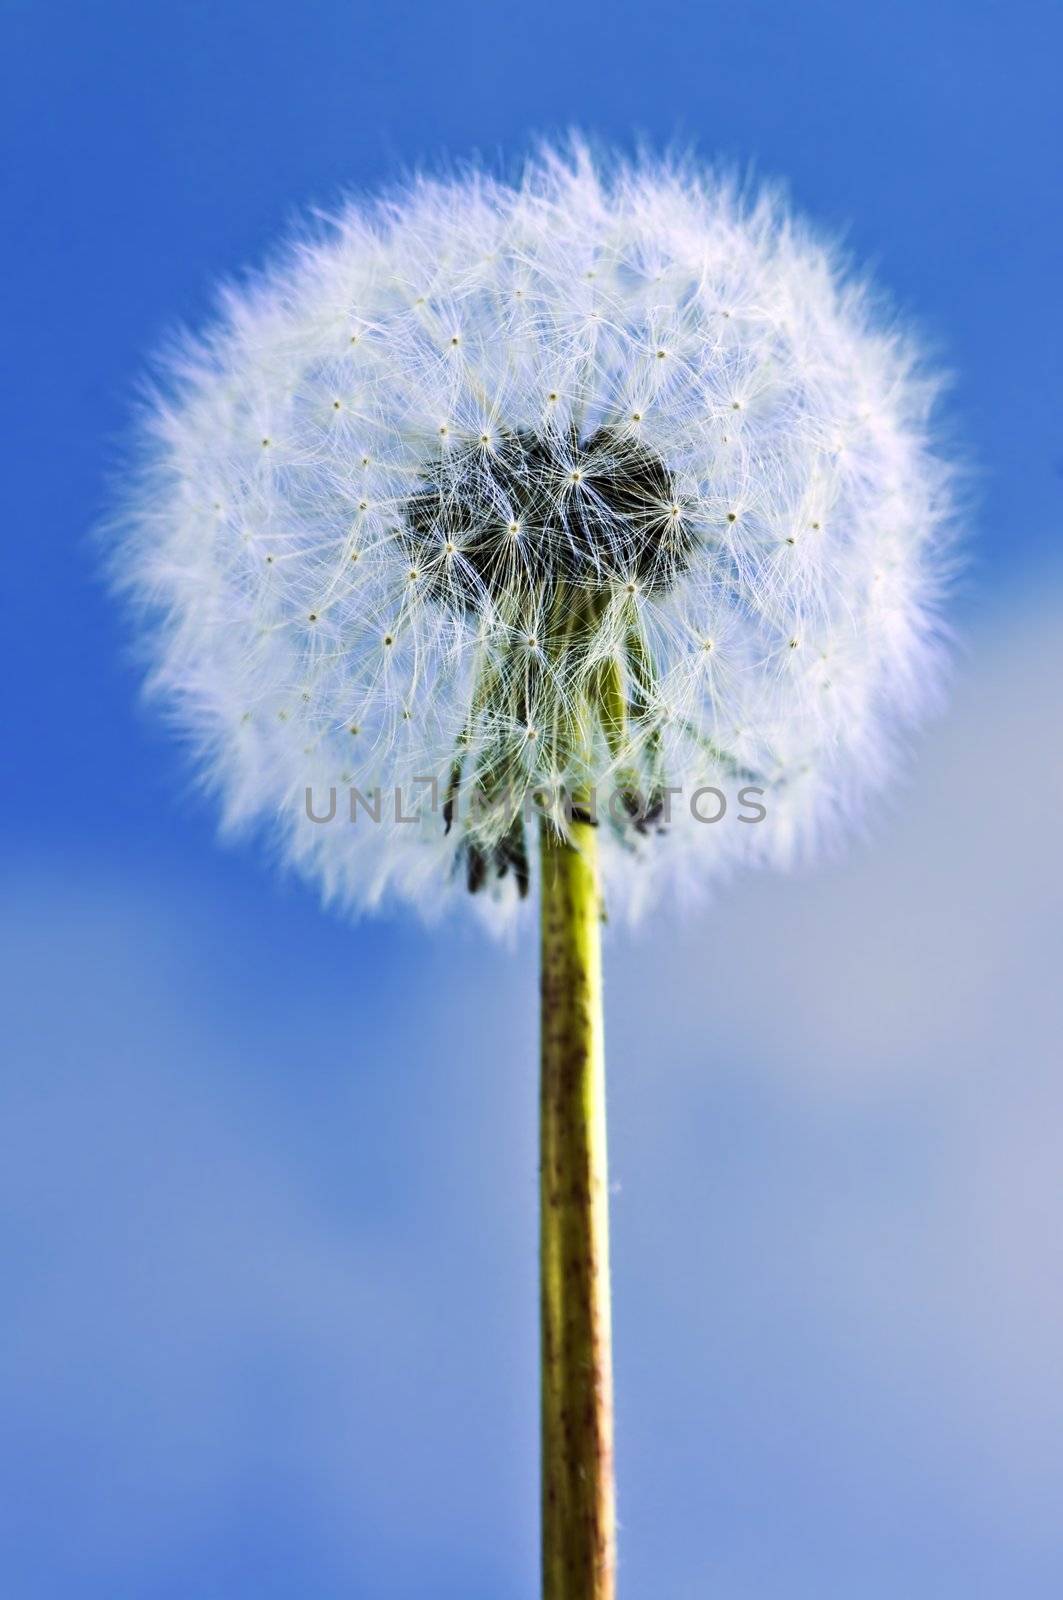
<point x="271" y="1215"/>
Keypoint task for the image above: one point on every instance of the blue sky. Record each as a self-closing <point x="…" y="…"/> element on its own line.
<point x="268" y="1208"/>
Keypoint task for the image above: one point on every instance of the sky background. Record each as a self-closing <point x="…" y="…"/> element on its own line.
<point x="267" y="1181"/>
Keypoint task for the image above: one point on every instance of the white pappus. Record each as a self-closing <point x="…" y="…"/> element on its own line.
<point x="589" y="491"/>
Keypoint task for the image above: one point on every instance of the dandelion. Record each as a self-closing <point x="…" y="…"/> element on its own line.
<point x="504" y="499"/>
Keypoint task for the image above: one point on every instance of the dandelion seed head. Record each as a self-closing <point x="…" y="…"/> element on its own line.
<point x="670" y="520"/>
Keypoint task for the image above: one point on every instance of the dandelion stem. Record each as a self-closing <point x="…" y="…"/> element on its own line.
<point x="577" y="1381"/>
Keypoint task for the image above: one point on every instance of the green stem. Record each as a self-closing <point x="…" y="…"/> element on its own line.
<point x="579" y="1554"/>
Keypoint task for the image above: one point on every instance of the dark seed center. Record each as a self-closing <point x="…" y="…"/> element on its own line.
<point x="544" y="510"/>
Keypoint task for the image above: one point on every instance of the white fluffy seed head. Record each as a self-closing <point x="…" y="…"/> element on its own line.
<point x="595" y="487"/>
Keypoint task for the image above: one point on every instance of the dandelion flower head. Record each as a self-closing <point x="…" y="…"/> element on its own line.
<point x="589" y="492"/>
